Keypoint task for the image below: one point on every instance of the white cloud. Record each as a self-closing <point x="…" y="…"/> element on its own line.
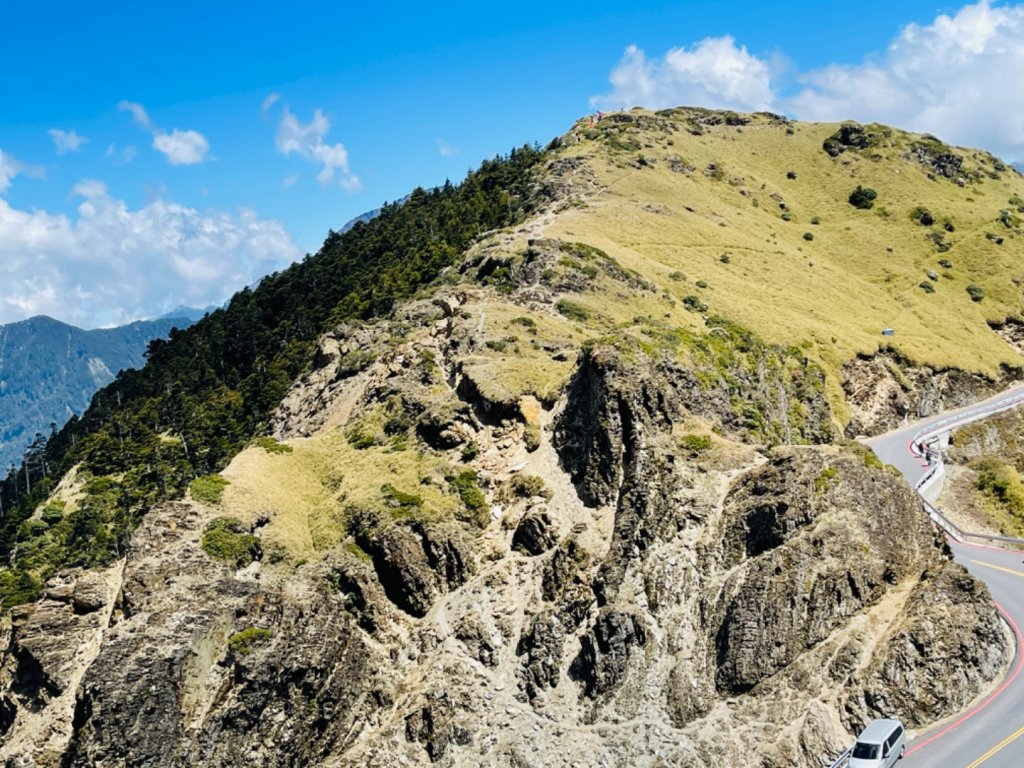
<point x="269" y="101"/>
<point x="289" y="180"/>
<point x="126" y="154"/>
<point x="108" y="264"/>
<point x="181" y="147"/>
<point x="178" y="146"/>
<point x="66" y="141"/>
<point x="9" y="168"/>
<point x="445" y="149"/>
<point x="959" y="77"/>
<point x="307" y="141"/>
<point x="714" y="73"/>
<point x="139" y="113"/>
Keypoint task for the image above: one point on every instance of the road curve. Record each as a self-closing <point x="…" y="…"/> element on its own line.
<point x="991" y="734"/>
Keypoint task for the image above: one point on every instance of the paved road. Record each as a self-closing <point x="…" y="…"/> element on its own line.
<point x="992" y="733"/>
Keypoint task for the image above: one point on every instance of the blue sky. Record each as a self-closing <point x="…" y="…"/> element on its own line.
<point x="155" y="155"/>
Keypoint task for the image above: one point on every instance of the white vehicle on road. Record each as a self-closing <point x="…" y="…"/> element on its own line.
<point x="879" y="745"/>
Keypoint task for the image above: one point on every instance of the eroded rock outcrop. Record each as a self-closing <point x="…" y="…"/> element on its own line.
<point x="884" y="390"/>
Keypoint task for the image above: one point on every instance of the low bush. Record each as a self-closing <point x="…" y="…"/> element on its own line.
<point x="270" y="445"/>
<point x="208" y="489"/>
<point x="572" y="310"/>
<point x="226" y="538"/>
<point x="242" y="643"/>
<point x="695" y="443"/>
<point x="527" y="486"/>
<point x="863" y="198"/>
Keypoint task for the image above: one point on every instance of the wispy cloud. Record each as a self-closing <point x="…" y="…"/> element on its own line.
<point x="445" y="149"/>
<point x="307" y="141"/>
<point x="9" y="168"/>
<point x="269" y="101"/>
<point x="289" y="180"/>
<point x="66" y="141"/>
<point x="125" y="154"/>
<point x="139" y="113"/>
<point x="179" y="147"/>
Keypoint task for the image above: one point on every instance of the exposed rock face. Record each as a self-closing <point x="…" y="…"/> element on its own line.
<point x="702" y="598"/>
<point x="168" y="685"/>
<point x="415" y="563"/>
<point x="535" y="533"/>
<point x="850" y="135"/>
<point x="689" y="568"/>
<point x="884" y="390"/>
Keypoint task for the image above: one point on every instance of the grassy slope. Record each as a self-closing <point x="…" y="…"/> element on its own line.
<point x="839" y="290"/>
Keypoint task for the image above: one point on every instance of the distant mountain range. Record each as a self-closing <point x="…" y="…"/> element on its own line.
<point x="369" y="216"/>
<point x="50" y="370"/>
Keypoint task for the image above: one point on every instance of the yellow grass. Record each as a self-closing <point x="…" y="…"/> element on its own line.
<point x="839" y="290"/>
<point x="306" y="492"/>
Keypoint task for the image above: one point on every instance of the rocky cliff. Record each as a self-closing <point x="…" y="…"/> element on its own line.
<point x="554" y="510"/>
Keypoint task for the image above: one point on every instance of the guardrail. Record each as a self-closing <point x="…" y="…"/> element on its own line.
<point x="842" y="760"/>
<point x="937" y="468"/>
<point x="966" y="417"/>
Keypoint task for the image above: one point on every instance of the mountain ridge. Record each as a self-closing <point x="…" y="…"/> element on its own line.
<point x="562" y="449"/>
<point x="69" y="365"/>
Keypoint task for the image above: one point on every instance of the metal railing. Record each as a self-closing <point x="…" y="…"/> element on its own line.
<point x="842" y="760"/>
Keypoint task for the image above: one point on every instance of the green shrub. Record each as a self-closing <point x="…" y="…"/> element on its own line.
<point x="531" y="436"/>
<point x="725" y="258"/>
<point x="825" y="478"/>
<point x="1001" y="482"/>
<point x="400" y="501"/>
<point x="701" y="284"/>
<point x="976" y="292"/>
<point x="926" y="286"/>
<point x="679" y="277"/>
<point x="863" y="198"/>
<point x="787" y="216"/>
<point x="208" y="489"/>
<point x="359" y="437"/>
<point x="470" y="451"/>
<point x="572" y="310"/>
<point x="526" y="322"/>
<point x="32" y="528"/>
<point x="945" y="263"/>
<point x="226" y="538"/>
<point x="270" y="445"/>
<point x="808" y="236"/>
<point x="466" y="485"/>
<point x="242" y="643"/>
<point x="815" y="220"/>
<point x="922" y="216"/>
<point x="527" y="486"/>
<point x="695" y="443"/>
<point x="53" y="512"/>
<point x="694" y="304"/>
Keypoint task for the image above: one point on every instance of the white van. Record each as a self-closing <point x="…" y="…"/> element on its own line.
<point x="879" y="745"/>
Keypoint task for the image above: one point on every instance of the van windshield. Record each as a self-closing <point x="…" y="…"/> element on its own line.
<point x="865" y="751"/>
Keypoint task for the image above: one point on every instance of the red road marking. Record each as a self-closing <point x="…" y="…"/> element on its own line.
<point x="992" y="697"/>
